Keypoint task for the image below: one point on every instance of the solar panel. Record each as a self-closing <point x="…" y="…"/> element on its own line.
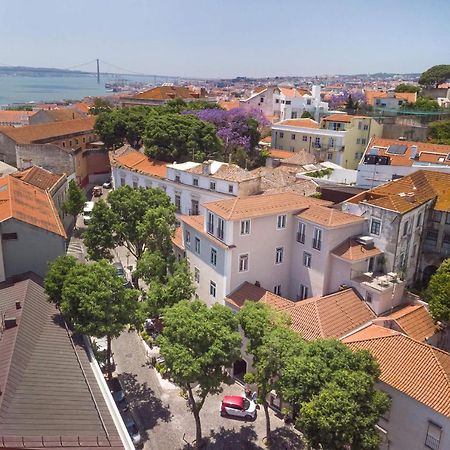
<point x="397" y="149"/>
<point x="374" y="151"/>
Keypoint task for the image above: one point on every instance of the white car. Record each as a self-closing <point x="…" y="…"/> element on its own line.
<point x="87" y="212"/>
<point x="235" y="405"/>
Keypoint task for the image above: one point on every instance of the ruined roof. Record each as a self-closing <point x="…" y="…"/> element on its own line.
<point x="412" y="367"/>
<point x="29" y="204"/>
<point x="48" y="388"/>
<point x="48" y="131"/>
<point x="224" y="171"/>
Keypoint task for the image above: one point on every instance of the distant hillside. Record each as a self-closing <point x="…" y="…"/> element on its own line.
<point x="39" y="71"/>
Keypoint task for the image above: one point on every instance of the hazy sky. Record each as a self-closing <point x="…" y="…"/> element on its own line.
<point x="225" y="38"/>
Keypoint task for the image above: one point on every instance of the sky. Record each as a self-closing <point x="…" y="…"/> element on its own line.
<point x="228" y="38"/>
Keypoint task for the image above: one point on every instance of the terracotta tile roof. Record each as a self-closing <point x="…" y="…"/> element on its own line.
<point x="229" y="105"/>
<point x="227" y="172"/>
<point x="413" y="320"/>
<point x="48" y="386"/>
<point x="293" y="92"/>
<point x="342" y="118"/>
<point x="301" y="123"/>
<point x="332" y="315"/>
<point x="276" y="301"/>
<point x="412" y="367"/>
<point x="138" y="162"/>
<point x="81" y="107"/>
<point x="166" y="93"/>
<point x="260" y="205"/>
<point x="280" y="154"/>
<point x="259" y="89"/>
<point x="425" y="152"/>
<point x="410" y="191"/>
<point x="329" y="217"/>
<point x="246" y="291"/>
<point x="197" y="222"/>
<point x="302" y="187"/>
<point x="15" y="116"/>
<point x="177" y="238"/>
<point x="60" y="114"/>
<point x="267" y="140"/>
<point x="371" y="96"/>
<point x="352" y="250"/>
<point x="48" y="131"/>
<point x="39" y="177"/>
<point x="29" y="204"/>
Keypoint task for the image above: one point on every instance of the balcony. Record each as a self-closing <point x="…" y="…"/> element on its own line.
<point x="376" y="280"/>
<point x="317" y="244"/>
<point x="301" y="238"/>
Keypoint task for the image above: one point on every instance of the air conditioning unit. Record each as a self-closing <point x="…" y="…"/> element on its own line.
<point x="366" y="241"/>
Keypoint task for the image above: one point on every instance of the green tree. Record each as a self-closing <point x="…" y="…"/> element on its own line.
<point x="95" y="301"/>
<point x="423" y="104"/>
<point x="100" y="105"/>
<point x="197" y="342"/>
<point x="175" y="137"/>
<point x="75" y="200"/>
<point x="439" y="132"/>
<point x="403" y="87"/>
<point x="306" y="115"/>
<point x="344" y="413"/>
<point x="438" y="293"/>
<point x="435" y="75"/>
<point x="57" y="273"/>
<point x="98" y="238"/>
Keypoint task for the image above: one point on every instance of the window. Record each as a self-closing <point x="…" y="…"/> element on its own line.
<point x="317" y="141"/>
<point x="278" y="255"/>
<point x="359" y="125"/>
<point x="277" y="100"/>
<point x="135" y="184"/>
<point x="303" y="292"/>
<point x="64" y="144"/>
<point x="447" y="219"/>
<point x="317" y="240"/>
<point x="245" y="227"/>
<point x="122" y="181"/>
<point x="301" y="233"/>
<point x="212" y="289"/>
<point x="220" y="228"/>
<point x="368" y="297"/>
<point x="307" y="259"/>
<point x="9" y="236"/>
<point x="277" y="289"/>
<point x="358" y="141"/>
<point x="293" y="115"/>
<point x="375" y="226"/>
<point x="371" y="264"/>
<point x="293" y="136"/>
<point x="305" y="138"/>
<point x="433" y="438"/>
<point x="446" y="238"/>
<point x="197" y="245"/>
<point x="230" y="188"/>
<point x="213" y="258"/>
<point x="330" y="156"/>
<point x="405" y="228"/>
<point x="196" y="274"/>
<point x="70" y="143"/>
<point x="194" y="207"/>
<point x="281" y="221"/>
<point x="212" y="185"/>
<point x="210" y="225"/>
<point x="363" y="141"/>
<point x="261" y="100"/>
<point x="308" y="102"/>
<point x="436" y="216"/>
<point x="288" y="102"/>
<point x="178" y="202"/>
<point x="84" y="140"/>
<point x="243" y="263"/>
<point x="188" y="238"/>
<point x="365" y="127"/>
<point x="431" y="235"/>
<point x="177" y="178"/>
<point x="419" y="220"/>
<point x="281" y="135"/>
<point x="195" y="181"/>
<point x="331" y="142"/>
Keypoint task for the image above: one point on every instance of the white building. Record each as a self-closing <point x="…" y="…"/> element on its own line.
<point x="385" y="160"/>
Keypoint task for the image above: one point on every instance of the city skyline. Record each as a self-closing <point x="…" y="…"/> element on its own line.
<point x="227" y="39"/>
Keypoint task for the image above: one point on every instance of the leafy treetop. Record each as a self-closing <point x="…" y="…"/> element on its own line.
<point x="403" y="87"/>
<point x="438" y="293"/>
<point x="435" y="75"/>
<point x="75" y="200"/>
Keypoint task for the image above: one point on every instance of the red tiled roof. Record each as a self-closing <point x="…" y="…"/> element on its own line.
<point x="342" y="118"/>
<point x="166" y="93"/>
<point x="138" y="162"/>
<point x="39" y="177"/>
<point x="329" y="217"/>
<point x="352" y="250"/>
<point x="246" y="291"/>
<point x="177" y="238"/>
<point x="301" y="123"/>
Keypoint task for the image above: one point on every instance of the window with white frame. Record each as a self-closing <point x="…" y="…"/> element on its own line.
<point x="230" y="188"/>
<point x="277" y="289"/>
<point x="197" y="245"/>
<point x="220" y="228"/>
<point x="212" y="185"/>
<point x="281" y="221"/>
<point x="212" y="288"/>
<point x="419" y="220"/>
<point x="317" y="141"/>
<point x="358" y="141"/>
<point x="433" y="438"/>
<point x="279" y="255"/>
<point x="303" y="292"/>
<point x="307" y="259"/>
<point x="245" y="227"/>
<point x="243" y="263"/>
<point x="301" y="232"/>
<point x="405" y="228"/>
<point x="281" y="135"/>
<point x="196" y="274"/>
<point x="177" y="178"/>
<point x="188" y="237"/>
<point x="178" y="203"/>
<point x="305" y="138"/>
<point x="293" y="136"/>
<point x="329" y="156"/>
<point x="195" y="181"/>
<point x="213" y="258"/>
<point x="368" y="297"/>
<point x="210" y="224"/>
<point x="317" y="239"/>
<point x="375" y="226"/>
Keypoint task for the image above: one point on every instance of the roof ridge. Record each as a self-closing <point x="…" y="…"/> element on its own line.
<point x="230" y="215"/>
<point x="58" y="219"/>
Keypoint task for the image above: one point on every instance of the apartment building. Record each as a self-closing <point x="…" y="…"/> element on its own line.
<point x="383" y="100"/>
<point x="281" y="242"/>
<point x="189" y="184"/>
<point x="286" y="102"/>
<point x="385" y="160"/>
<point x="339" y="138"/>
<point x="409" y="220"/>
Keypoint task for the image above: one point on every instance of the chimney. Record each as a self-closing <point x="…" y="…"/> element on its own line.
<point x="10" y="322"/>
<point x="206" y="167"/>
<point x="257" y="284"/>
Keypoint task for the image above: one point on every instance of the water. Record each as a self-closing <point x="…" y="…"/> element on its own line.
<point x="22" y="89"/>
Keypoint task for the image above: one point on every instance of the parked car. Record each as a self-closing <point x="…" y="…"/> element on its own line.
<point x="132" y="429"/>
<point x="235" y="405"/>
<point x="97" y="191"/>
<point x="87" y="212"/>
<point x="116" y="389"/>
<point x="120" y="271"/>
<point x="107" y="185"/>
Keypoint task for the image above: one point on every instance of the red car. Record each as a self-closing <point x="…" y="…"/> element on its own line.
<point x="234" y="405"/>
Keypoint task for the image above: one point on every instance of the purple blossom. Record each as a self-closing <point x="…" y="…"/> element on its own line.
<point x="339" y="100"/>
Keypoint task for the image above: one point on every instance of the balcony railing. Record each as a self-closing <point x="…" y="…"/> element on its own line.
<point x="432" y="442"/>
<point x="301" y="238"/>
<point x="317" y="244"/>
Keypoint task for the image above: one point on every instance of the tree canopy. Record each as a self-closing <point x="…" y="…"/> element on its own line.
<point x="423" y="104"/>
<point x="197" y="342"/>
<point x="403" y="87"/>
<point x="100" y="105"/>
<point x="57" y="273"/>
<point x="438" y="293"/>
<point x="75" y="199"/>
<point x="439" y="132"/>
<point x="435" y="75"/>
